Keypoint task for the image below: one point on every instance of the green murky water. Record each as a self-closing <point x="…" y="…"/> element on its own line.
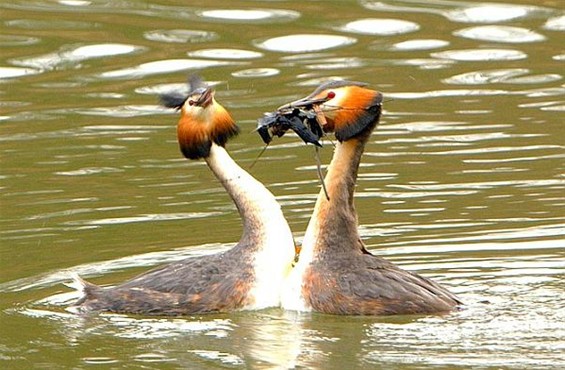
<point x="463" y="180"/>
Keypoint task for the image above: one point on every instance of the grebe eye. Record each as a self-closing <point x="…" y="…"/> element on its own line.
<point x="330" y="95"/>
<point x="191" y="102"/>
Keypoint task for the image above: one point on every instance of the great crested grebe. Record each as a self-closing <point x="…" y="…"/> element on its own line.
<point x="246" y="277"/>
<point x="335" y="274"/>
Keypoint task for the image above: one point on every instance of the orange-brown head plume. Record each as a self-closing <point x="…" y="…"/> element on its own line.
<point x="203" y="120"/>
<point x="349" y="107"/>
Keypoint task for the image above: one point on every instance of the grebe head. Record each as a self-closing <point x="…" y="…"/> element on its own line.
<point x="346" y="108"/>
<point x="203" y="120"/>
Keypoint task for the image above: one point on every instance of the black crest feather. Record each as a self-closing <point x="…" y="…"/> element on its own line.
<point x="175" y="100"/>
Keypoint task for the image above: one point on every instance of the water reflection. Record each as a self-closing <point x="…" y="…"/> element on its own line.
<point x="256" y="72"/>
<point x="511" y="76"/>
<point x="32" y="24"/>
<point x="500" y="34"/>
<point x="555" y="23"/>
<point x="180" y="36"/>
<point x="162" y="66"/>
<point x="304" y="43"/>
<point x="422" y="44"/>
<point x="253" y="15"/>
<point x="486" y="13"/>
<point x="93" y="269"/>
<point x="146" y="218"/>
<point x="70" y="56"/>
<point x="16" y="40"/>
<point x="381" y="27"/>
<point x="459" y="11"/>
<point x="11" y="72"/>
<point x="225" y="54"/>
<point x="287" y="339"/>
<point x="481" y="54"/>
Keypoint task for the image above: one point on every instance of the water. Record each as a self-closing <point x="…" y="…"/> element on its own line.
<point x="462" y="181"/>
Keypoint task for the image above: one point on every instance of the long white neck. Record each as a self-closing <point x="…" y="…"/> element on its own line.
<point x="266" y="234"/>
<point x="333" y="225"/>
<point x="261" y="214"/>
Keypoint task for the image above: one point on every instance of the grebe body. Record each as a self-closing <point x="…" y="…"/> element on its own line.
<point x="250" y="275"/>
<point x="335" y="273"/>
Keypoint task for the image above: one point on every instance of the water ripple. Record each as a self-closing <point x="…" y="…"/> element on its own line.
<point x="97" y="268"/>
<point x="69" y="56"/>
<point x="446" y="93"/>
<point x="425" y="63"/>
<point x="153" y="358"/>
<point x="222" y="357"/>
<point x="123" y="111"/>
<point x="480" y="185"/>
<point x="75" y="2"/>
<point x="181" y="88"/>
<point x="510" y="75"/>
<point x="431" y="126"/>
<point x="225" y="54"/>
<point x="250" y="15"/>
<point x="555" y="23"/>
<point x="180" y="36"/>
<point x="17" y="40"/>
<point x="256" y="72"/>
<point x="131" y="328"/>
<point x="375" y="193"/>
<point x="35" y="24"/>
<point x="304" y="43"/>
<point x="500" y="34"/>
<point x="487" y="13"/>
<point x="481" y="54"/>
<point x="89" y="171"/>
<point x="483" y="240"/>
<point x="86" y="131"/>
<point x="145" y="218"/>
<point x="337" y="63"/>
<point x="98" y="360"/>
<point x="163" y="66"/>
<point x="419" y="44"/>
<point x="459" y="11"/>
<point x="378" y="26"/>
<point x="12" y="72"/>
<point x="164" y="328"/>
<point x="494" y="149"/>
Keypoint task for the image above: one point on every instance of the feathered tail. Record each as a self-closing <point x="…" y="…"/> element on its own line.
<point x="88" y="290"/>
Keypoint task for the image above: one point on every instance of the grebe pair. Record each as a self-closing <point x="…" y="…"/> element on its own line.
<point x="334" y="273"/>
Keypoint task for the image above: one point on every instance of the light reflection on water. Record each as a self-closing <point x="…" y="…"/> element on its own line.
<point x="462" y="181"/>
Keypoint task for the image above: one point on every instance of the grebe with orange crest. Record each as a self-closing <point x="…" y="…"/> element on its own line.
<point x="335" y="273"/>
<point x="248" y="276"/>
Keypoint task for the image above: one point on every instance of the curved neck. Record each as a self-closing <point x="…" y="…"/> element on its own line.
<point x="333" y="226"/>
<point x="257" y="206"/>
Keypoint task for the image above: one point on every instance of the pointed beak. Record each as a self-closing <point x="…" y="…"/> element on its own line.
<point x="306" y="102"/>
<point x="206" y="98"/>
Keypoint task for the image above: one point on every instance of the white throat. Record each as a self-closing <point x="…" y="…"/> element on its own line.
<point x="263" y="223"/>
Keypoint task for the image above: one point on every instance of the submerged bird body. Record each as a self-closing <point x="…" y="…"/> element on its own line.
<point x="248" y="276"/>
<point x="335" y="274"/>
